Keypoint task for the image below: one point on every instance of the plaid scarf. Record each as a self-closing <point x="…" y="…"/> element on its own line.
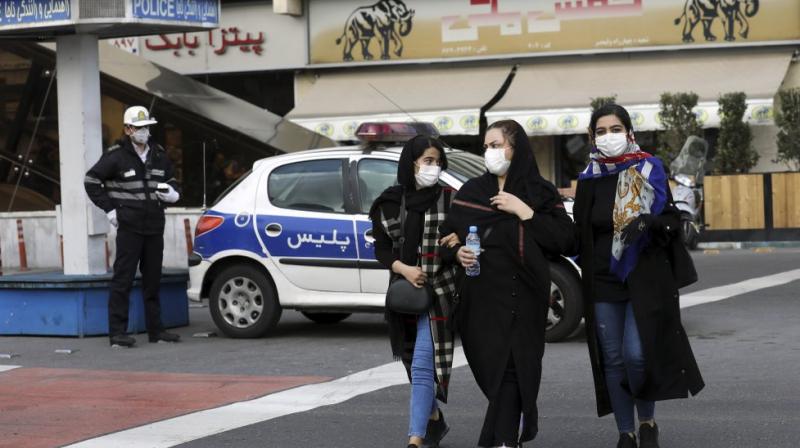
<point x="443" y="284"/>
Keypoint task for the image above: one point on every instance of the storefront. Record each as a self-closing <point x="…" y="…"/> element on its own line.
<point x="442" y="61"/>
<point x="193" y="118"/>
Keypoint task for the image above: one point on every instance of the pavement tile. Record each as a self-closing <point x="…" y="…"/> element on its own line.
<point x="42" y="407"/>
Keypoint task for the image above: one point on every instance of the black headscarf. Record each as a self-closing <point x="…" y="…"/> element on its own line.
<point x="418" y="201"/>
<point x="523" y="181"/>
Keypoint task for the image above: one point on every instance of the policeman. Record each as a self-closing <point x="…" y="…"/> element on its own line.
<point x="132" y="182"/>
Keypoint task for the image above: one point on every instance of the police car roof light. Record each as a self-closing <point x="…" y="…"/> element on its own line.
<point x="207" y="223"/>
<point x="394" y="132"/>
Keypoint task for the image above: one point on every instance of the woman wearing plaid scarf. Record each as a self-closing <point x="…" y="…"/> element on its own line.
<point x="423" y="343"/>
<point x="502" y="312"/>
<point x="626" y="224"/>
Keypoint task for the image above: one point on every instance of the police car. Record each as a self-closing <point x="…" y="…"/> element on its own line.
<point x="293" y="233"/>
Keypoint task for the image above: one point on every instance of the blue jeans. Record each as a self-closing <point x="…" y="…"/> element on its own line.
<point x="623" y="360"/>
<point x="423" y="385"/>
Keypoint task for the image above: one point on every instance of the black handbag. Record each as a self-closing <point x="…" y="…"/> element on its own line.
<point x="402" y="296"/>
<point x="681" y="262"/>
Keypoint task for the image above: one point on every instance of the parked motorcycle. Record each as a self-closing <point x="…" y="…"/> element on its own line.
<point x="687" y="172"/>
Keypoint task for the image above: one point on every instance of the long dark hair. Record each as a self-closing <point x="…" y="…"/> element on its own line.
<point x="611" y="109"/>
<point x="413" y="150"/>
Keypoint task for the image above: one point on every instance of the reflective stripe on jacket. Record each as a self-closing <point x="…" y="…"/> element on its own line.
<point x="121" y="181"/>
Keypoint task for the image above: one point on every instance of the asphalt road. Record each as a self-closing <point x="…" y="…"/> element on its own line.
<point x="748" y="349"/>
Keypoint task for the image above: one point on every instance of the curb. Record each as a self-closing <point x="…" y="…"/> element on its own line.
<point x="749" y="245"/>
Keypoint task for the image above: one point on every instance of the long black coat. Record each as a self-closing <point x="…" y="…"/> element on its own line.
<point x="670" y="365"/>
<point x="503" y="312"/>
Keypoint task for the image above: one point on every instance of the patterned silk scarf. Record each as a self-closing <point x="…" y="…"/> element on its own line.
<point x="641" y="189"/>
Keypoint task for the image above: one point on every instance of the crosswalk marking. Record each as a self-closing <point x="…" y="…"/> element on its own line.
<point x="735" y="289"/>
<point x="206" y="423"/>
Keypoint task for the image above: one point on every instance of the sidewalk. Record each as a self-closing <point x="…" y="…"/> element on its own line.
<point x="749" y="244"/>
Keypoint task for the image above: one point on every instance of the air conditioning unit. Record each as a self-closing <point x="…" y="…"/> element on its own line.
<point x="289" y="7"/>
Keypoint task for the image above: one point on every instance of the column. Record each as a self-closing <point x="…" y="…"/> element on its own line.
<point x="80" y="146"/>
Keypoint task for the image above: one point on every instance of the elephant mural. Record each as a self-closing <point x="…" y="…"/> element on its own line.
<point x="388" y="21"/>
<point x="730" y="12"/>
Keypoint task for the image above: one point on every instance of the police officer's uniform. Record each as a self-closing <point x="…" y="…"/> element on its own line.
<point x="121" y="181"/>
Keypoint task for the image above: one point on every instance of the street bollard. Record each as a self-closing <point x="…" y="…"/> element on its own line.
<point x="108" y="256"/>
<point x="23" y="256"/>
<point x="187" y="230"/>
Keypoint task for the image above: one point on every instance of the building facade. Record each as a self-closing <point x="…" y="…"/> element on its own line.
<point x="328" y="65"/>
<point x="443" y="61"/>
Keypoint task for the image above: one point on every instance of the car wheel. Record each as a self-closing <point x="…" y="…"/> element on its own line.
<point x="565" y="308"/>
<point x="326" y="318"/>
<point x="243" y="302"/>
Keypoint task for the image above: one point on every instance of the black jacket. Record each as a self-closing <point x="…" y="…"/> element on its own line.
<point x="120" y="181"/>
<point x="670" y="365"/>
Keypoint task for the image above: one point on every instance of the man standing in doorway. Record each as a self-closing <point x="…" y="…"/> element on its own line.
<point x="132" y="182"/>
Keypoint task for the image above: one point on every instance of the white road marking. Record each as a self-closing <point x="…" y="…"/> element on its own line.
<point x="7" y="368"/>
<point x="186" y="428"/>
<point x="178" y="430"/>
<point x="735" y="289"/>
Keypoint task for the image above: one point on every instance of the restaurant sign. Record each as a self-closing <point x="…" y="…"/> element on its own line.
<point x="347" y="31"/>
<point x="250" y="38"/>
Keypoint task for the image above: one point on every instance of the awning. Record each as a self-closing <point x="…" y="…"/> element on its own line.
<point x="552" y="96"/>
<point x="334" y="103"/>
<point x="207" y="102"/>
<point x="792" y="80"/>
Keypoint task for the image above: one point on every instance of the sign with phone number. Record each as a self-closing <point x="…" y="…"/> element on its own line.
<point x="33" y="11"/>
<point x="189" y="11"/>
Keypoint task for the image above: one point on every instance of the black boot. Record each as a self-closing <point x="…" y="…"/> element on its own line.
<point x="627" y="441"/>
<point x="122" y="340"/>
<point x="163" y="336"/>
<point x="436" y="431"/>
<point x="648" y="435"/>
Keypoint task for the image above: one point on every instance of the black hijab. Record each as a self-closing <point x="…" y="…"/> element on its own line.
<point x="418" y="201"/>
<point x="523" y="181"/>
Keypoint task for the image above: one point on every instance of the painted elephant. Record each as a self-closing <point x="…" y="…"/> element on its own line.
<point x="388" y="21"/>
<point x="730" y="13"/>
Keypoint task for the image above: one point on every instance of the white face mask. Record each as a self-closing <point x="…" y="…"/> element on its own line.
<point x="612" y="144"/>
<point x="496" y="162"/>
<point x="427" y="176"/>
<point x="141" y="136"/>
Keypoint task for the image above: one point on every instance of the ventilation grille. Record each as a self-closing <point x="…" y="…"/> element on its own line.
<point x="94" y="9"/>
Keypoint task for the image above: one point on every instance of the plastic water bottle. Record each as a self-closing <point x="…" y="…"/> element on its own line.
<point x="474" y="244"/>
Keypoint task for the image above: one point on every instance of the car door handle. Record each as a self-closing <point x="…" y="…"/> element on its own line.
<point x="273" y="229"/>
<point x="368" y="236"/>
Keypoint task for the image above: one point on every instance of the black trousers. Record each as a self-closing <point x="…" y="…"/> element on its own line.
<point x="146" y="252"/>
<point x="509" y="407"/>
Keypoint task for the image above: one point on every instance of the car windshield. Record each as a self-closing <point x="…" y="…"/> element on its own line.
<point x="464" y="166"/>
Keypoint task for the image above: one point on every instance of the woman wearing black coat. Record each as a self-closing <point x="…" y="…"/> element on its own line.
<point x="502" y="312"/>
<point x="627" y="229"/>
<point x="423" y="343"/>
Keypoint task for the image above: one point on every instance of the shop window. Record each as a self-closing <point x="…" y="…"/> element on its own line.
<point x="315" y="185"/>
<point x="28" y="134"/>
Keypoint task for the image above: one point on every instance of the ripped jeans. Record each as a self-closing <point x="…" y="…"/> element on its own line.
<point x="623" y="360"/>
